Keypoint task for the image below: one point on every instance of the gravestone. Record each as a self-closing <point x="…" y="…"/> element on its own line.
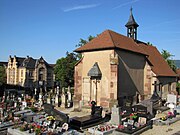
<point x="69" y="99"/>
<point x="19" y="99"/>
<point x="15" y="104"/>
<point x="48" y="100"/>
<point x="24" y="105"/>
<point x="149" y="105"/>
<point x="56" y="99"/>
<point x="140" y="109"/>
<point x="115" y="116"/>
<point x="63" y="100"/>
<point x="172" y="98"/>
<point x="1" y="113"/>
<point x="171" y="101"/>
<point x="69" y="95"/>
<point x="53" y="101"/>
<point x="40" y="101"/>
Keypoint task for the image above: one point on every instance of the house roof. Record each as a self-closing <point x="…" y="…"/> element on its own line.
<point x="41" y="59"/>
<point x="111" y="40"/>
<point x="159" y="66"/>
<point x="19" y="60"/>
<point x="30" y="62"/>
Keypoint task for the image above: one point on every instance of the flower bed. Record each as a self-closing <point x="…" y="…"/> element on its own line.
<point x="102" y="129"/>
<point x="135" y="123"/>
<point x="167" y="119"/>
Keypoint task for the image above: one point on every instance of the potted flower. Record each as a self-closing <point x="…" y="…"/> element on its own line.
<point x="170" y="115"/>
<point x="38" y="131"/>
<point x="164" y="118"/>
<point x="133" y="116"/>
<point x="22" y="128"/>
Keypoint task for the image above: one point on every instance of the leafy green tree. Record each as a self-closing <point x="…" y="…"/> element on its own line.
<point x="167" y="56"/>
<point x="84" y="41"/>
<point x="149" y="43"/>
<point x="2" y="75"/>
<point x="64" y="69"/>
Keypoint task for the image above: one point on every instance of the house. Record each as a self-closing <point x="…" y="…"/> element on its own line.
<point x="120" y="69"/>
<point x="30" y="72"/>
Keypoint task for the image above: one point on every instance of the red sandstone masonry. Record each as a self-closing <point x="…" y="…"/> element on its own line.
<point x="112" y="95"/>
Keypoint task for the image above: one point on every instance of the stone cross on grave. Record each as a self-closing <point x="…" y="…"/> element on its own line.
<point x="157" y="85"/>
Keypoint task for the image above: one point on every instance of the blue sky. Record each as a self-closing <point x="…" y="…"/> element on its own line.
<point x="50" y="28"/>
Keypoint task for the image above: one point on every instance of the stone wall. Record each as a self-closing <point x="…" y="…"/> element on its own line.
<point x="106" y="88"/>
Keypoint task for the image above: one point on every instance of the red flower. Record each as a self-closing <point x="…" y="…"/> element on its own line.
<point x="38" y="126"/>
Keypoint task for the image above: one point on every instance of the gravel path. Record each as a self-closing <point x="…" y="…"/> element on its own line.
<point x="164" y="130"/>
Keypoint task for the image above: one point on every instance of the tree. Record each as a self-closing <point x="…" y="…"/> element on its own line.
<point x="167" y="56"/>
<point x="64" y="69"/>
<point x="84" y="41"/>
<point x="2" y="75"/>
<point x="149" y="43"/>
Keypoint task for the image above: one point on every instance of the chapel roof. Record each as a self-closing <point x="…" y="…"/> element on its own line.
<point x="159" y="66"/>
<point x="111" y="40"/>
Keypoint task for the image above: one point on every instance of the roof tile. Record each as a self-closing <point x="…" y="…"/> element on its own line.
<point x="159" y="66"/>
<point x="111" y="40"/>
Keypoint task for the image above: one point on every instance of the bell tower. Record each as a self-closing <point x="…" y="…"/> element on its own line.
<point x="132" y="26"/>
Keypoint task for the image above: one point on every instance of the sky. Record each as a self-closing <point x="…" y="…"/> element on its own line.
<point x="50" y="28"/>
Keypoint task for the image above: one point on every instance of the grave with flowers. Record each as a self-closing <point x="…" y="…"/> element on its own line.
<point x="167" y="119"/>
<point x="134" y="121"/>
<point x="102" y="129"/>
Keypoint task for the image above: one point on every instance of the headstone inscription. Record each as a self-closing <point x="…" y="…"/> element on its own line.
<point x="140" y="109"/>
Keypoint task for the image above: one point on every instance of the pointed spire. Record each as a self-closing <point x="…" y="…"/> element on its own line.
<point x="132" y="26"/>
<point x="131" y="21"/>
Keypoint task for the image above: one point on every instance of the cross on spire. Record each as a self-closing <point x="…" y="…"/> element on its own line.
<point x="132" y="26"/>
<point x="131" y="10"/>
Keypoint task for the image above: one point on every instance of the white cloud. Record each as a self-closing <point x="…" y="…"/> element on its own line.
<point x="127" y="3"/>
<point x="80" y="7"/>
